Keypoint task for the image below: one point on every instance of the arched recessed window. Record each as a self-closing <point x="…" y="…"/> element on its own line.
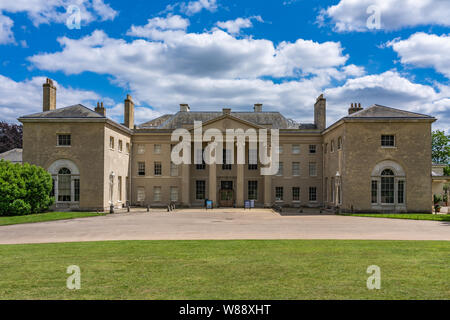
<point x="388" y="185"/>
<point x="66" y="181"/>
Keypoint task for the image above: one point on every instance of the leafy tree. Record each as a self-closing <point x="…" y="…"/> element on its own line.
<point x="440" y="150"/>
<point x="24" y="189"/>
<point x="10" y="136"/>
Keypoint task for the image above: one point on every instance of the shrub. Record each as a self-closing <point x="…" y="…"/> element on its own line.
<point x="24" y="189"/>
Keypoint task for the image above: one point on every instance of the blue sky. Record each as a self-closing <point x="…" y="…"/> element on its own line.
<point x="216" y="53"/>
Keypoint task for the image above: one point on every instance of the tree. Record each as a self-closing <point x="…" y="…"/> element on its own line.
<point x="24" y="189"/>
<point x="440" y="150"/>
<point x="10" y="136"/>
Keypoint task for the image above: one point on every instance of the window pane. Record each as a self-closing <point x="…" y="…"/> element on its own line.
<point x="140" y="149"/>
<point x="280" y="169"/>
<point x="76" y="184"/>
<point x="295" y="149"/>
<point x="401" y="192"/>
<point x="64" y="187"/>
<point x="295" y="168"/>
<point x="374" y="191"/>
<point x="158" y="169"/>
<point x="173" y="169"/>
<point x="173" y="194"/>
<point x="141" y="168"/>
<point x="295" y="193"/>
<point x="157" y="148"/>
<point x="278" y="193"/>
<point x="312" y="193"/>
<point x="156" y="193"/>
<point x="226" y="157"/>
<point x="252" y="190"/>
<point x="388" y="140"/>
<point x="312" y="169"/>
<point x="140" y="194"/>
<point x="200" y="190"/>
<point x="387" y="189"/>
<point x="64" y="139"/>
<point x="312" y="148"/>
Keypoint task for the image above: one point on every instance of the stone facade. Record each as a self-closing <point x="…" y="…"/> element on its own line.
<point x="374" y="159"/>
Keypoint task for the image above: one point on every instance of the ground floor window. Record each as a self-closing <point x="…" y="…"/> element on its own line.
<point x="295" y="194"/>
<point x="279" y="193"/>
<point x="140" y="194"/>
<point x="312" y="194"/>
<point x="64" y="185"/>
<point x="387" y="186"/>
<point x="173" y="193"/>
<point x="401" y="192"/>
<point x="200" y="189"/>
<point x="374" y="191"/>
<point x="156" y="194"/>
<point x="76" y="186"/>
<point x="252" y="190"/>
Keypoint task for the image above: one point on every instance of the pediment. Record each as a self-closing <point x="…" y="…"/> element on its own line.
<point x="228" y="122"/>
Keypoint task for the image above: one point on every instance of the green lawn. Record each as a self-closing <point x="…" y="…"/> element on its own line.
<point x="230" y="269"/>
<point x="413" y="216"/>
<point x="48" y="216"/>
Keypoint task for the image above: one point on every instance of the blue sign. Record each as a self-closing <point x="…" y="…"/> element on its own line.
<point x="209" y="204"/>
<point x="246" y="204"/>
<point x="252" y="203"/>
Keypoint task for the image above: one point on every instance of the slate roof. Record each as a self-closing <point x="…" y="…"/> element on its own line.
<point x="377" y="111"/>
<point x="14" y="155"/>
<point x="177" y="120"/>
<point x="75" y="111"/>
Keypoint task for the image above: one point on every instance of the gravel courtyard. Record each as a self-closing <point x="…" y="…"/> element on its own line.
<point x="222" y="224"/>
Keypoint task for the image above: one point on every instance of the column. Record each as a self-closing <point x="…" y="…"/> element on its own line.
<point x="240" y="186"/>
<point x="267" y="191"/>
<point x="212" y="184"/>
<point x="185" y="183"/>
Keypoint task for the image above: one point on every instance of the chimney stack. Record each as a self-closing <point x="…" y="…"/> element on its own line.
<point x="49" y="95"/>
<point x="257" y="107"/>
<point x="100" y="109"/>
<point x="226" y="111"/>
<point x="184" y="107"/>
<point x="320" y="112"/>
<point x="354" y="108"/>
<point x="128" y="115"/>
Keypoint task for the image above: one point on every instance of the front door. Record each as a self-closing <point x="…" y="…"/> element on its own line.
<point x="226" y="194"/>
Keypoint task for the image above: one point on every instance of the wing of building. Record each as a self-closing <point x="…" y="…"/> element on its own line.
<point x="374" y="159"/>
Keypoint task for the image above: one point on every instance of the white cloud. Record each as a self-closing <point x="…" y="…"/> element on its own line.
<point x="352" y="15"/>
<point x="104" y="10"/>
<point x="6" y="34"/>
<point x="193" y="7"/>
<point x="425" y="50"/>
<point x="393" y="90"/>
<point x="18" y="98"/>
<point x="159" y="28"/>
<point x="235" y="26"/>
<point x="49" y="11"/>
<point x="214" y="69"/>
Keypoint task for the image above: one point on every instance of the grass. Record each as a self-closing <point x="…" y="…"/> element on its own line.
<point x="230" y="269"/>
<point x="413" y="216"/>
<point x="48" y="216"/>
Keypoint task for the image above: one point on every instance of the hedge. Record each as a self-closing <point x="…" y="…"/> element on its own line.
<point x="24" y="189"/>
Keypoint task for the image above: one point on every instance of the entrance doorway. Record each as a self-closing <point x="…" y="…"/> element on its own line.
<point x="226" y="194"/>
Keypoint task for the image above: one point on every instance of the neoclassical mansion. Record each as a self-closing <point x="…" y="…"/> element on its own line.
<point x="374" y="159"/>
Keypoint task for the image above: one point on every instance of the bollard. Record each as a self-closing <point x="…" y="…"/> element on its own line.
<point x="128" y="208"/>
<point x="148" y="208"/>
<point x="111" y="208"/>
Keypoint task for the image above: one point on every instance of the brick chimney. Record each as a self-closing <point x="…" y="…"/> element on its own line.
<point x="49" y="95"/>
<point x="184" y="107"/>
<point x="128" y="115"/>
<point x="257" y="107"/>
<point x="320" y="109"/>
<point x="354" y="108"/>
<point x="100" y="109"/>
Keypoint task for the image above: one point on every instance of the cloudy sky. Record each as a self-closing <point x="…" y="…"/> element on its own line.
<point x="222" y="53"/>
